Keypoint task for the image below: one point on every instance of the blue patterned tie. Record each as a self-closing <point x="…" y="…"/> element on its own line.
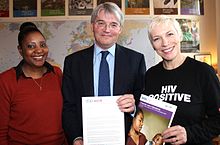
<point x="104" y="79"/>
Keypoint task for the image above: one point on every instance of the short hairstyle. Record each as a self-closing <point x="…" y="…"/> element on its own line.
<point x="162" y="19"/>
<point x="108" y="7"/>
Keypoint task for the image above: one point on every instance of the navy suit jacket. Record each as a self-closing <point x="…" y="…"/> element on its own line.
<point x="78" y="82"/>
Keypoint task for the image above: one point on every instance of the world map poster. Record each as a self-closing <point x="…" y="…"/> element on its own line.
<point x="66" y="37"/>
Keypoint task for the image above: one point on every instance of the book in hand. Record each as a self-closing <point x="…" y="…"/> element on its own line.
<point x="156" y="116"/>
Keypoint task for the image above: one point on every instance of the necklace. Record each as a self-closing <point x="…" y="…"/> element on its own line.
<point x="39" y="85"/>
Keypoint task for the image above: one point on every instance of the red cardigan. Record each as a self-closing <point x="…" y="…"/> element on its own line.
<point x="29" y="115"/>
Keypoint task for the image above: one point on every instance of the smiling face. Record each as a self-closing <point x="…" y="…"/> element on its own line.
<point x="34" y="50"/>
<point x="106" y="29"/>
<point x="166" y="41"/>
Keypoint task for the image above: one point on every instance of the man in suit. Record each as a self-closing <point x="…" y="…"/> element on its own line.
<point x="81" y="72"/>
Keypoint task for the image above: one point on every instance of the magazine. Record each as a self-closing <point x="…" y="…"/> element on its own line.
<point x="52" y="8"/>
<point x="133" y="7"/>
<point x="4" y="8"/>
<point x="118" y="2"/>
<point x="168" y="7"/>
<point x="24" y="8"/>
<point x="195" y="7"/>
<point x="80" y="7"/>
<point x="156" y="116"/>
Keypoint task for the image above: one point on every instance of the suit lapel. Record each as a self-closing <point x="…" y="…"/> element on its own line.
<point x="119" y="72"/>
<point x="87" y="72"/>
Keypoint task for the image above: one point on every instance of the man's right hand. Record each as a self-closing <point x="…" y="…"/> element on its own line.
<point x="78" y="142"/>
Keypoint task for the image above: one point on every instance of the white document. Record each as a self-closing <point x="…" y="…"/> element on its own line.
<point x="103" y="122"/>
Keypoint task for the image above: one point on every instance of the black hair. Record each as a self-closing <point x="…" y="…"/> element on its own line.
<point x="25" y="29"/>
<point x="138" y="111"/>
<point x="27" y="25"/>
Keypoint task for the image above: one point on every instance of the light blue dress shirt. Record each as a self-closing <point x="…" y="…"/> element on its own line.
<point x="96" y="63"/>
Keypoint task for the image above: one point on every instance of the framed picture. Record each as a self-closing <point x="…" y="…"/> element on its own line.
<point x="207" y="58"/>
<point x="191" y="37"/>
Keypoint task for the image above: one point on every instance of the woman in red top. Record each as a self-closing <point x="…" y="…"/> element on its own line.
<point x="30" y="95"/>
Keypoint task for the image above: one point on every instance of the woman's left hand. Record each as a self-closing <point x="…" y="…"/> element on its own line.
<point x="175" y="135"/>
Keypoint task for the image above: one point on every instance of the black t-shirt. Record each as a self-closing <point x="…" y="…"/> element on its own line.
<point x="195" y="89"/>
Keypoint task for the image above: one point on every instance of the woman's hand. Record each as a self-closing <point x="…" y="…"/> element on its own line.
<point x="175" y="135"/>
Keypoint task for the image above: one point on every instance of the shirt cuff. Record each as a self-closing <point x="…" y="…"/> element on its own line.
<point x="133" y="113"/>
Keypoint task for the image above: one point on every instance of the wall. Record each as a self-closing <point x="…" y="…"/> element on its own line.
<point x="218" y="31"/>
<point x="208" y="30"/>
<point x="209" y="26"/>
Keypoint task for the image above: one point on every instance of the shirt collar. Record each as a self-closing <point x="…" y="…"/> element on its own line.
<point x="19" y="71"/>
<point x="99" y="49"/>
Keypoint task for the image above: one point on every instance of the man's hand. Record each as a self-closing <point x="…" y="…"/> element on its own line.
<point x="126" y="103"/>
<point x="78" y="142"/>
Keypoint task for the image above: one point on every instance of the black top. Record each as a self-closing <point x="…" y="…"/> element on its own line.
<point x="195" y="89"/>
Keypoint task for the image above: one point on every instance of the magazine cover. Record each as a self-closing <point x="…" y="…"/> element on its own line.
<point x="118" y="2"/>
<point x="165" y="7"/>
<point x="151" y="119"/>
<point x="80" y="7"/>
<point x="137" y="7"/>
<point x="52" y="7"/>
<point x="25" y="8"/>
<point x="192" y="7"/>
<point x="191" y="39"/>
<point x="4" y="8"/>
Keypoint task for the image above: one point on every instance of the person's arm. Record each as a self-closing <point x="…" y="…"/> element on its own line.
<point x="207" y="128"/>
<point x="71" y="113"/>
<point x="4" y="112"/>
<point x="210" y="126"/>
<point x="128" y="102"/>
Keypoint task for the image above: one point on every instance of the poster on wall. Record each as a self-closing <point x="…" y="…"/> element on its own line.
<point x="80" y="7"/>
<point x="24" y="8"/>
<point x="191" y="38"/>
<point x="169" y="7"/>
<point x="53" y="8"/>
<point x="4" y="8"/>
<point x="137" y="7"/>
<point x="192" y="7"/>
<point x="118" y="2"/>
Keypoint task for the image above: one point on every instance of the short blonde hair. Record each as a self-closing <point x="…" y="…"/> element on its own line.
<point x="163" y="19"/>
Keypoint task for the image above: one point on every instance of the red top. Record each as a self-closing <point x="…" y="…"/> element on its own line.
<point x="29" y="115"/>
<point x="142" y="140"/>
